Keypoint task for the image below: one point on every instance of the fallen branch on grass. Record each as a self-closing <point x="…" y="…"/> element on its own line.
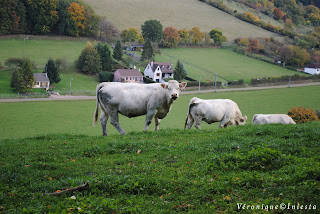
<point x="78" y="188"/>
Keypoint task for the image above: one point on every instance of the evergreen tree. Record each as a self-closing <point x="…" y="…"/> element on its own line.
<point x="147" y="52"/>
<point x="89" y="60"/>
<point x="52" y="71"/>
<point x="105" y="56"/>
<point x="117" y="53"/>
<point x="15" y="80"/>
<point x="26" y="76"/>
<point x="179" y="71"/>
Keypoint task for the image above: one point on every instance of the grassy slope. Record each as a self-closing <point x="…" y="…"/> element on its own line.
<point x="193" y="171"/>
<point x="27" y="119"/>
<point x="40" y="51"/>
<point x="176" y="13"/>
<point x="227" y="64"/>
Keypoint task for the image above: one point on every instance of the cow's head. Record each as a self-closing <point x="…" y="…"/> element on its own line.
<point x="242" y="120"/>
<point x="173" y="88"/>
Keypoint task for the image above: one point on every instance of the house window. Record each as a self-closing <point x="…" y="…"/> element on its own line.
<point x="158" y="74"/>
<point x="163" y="74"/>
<point x="126" y="78"/>
<point x="157" y="80"/>
<point x="38" y="83"/>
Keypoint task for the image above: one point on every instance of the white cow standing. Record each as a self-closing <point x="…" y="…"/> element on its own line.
<point x="134" y="99"/>
<point x="224" y="111"/>
<point x="272" y="119"/>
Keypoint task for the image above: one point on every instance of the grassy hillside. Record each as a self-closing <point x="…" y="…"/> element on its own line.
<point x="40" y="51"/>
<point x="176" y="13"/>
<point x="267" y="168"/>
<point x="29" y="119"/>
<point x="229" y="65"/>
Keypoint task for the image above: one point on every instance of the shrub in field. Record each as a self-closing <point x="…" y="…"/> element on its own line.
<point x="14" y="62"/>
<point x="105" y="76"/>
<point x="302" y="115"/>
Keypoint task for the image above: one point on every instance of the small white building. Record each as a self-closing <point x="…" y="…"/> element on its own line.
<point x="312" y="69"/>
<point x="157" y="71"/>
<point x="41" y="80"/>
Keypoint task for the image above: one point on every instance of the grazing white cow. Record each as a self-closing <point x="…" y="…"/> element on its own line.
<point x="272" y="118"/>
<point x="134" y="99"/>
<point x="224" y="111"/>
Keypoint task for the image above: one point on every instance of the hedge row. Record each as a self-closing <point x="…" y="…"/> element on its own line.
<point x="295" y="77"/>
<point x="262" y="24"/>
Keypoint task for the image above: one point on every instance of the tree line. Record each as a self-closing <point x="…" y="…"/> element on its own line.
<point x="64" y="17"/>
<point x="169" y="37"/>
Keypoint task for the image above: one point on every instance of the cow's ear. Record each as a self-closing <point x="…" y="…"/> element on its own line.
<point x="182" y="85"/>
<point x="163" y="85"/>
<point x="244" y="119"/>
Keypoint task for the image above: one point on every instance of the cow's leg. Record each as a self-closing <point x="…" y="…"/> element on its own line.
<point x="157" y="122"/>
<point x="114" y="120"/>
<point x="149" y="116"/>
<point x="190" y="122"/>
<point x="104" y="119"/>
<point x="198" y="121"/>
<point x="224" y="122"/>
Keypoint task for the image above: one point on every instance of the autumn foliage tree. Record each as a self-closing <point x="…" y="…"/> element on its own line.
<point x="171" y="37"/>
<point x="217" y="36"/>
<point x="277" y="14"/>
<point x="184" y="35"/>
<point x="196" y="35"/>
<point x="77" y="14"/>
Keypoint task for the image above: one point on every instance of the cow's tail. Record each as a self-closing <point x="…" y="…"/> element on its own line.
<point x="96" y="112"/>
<point x="191" y="104"/>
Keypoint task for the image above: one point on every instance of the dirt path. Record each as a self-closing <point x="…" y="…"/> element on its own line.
<point x="68" y="97"/>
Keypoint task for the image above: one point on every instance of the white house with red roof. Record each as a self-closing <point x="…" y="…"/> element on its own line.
<point x="312" y="68"/>
<point x="158" y="71"/>
<point x="128" y="75"/>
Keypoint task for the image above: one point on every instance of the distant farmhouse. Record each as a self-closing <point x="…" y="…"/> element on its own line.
<point x="134" y="47"/>
<point x="128" y="75"/>
<point x="41" y="80"/>
<point x="312" y="68"/>
<point x="158" y="71"/>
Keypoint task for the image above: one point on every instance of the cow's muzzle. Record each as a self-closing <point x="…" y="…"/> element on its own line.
<point x="174" y="96"/>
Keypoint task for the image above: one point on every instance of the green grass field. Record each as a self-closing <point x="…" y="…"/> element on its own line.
<point x="179" y="14"/>
<point x="29" y="119"/>
<point x="248" y="169"/>
<point x="40" y="51"/>
<point x="227" y="64"/>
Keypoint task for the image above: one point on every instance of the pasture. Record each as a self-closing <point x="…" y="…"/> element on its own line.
<point x="204" y="62"/>
<point x="40" y="51"/>
<point x="125" y="14"/>
<point x="30" y="119"/>
<point x="169" y="171"/>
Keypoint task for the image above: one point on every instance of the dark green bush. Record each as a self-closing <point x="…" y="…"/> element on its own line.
<point x="105" y="76"/>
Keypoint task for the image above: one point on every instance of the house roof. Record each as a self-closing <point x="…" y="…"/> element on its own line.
<point x="313" y="65"/>
<point x="41" y="77"/>
<point x="129" y="73"/>
<point x="165" y="67"/>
